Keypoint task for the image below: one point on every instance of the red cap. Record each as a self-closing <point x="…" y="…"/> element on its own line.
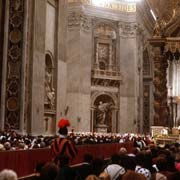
<point x="63" y="123"/>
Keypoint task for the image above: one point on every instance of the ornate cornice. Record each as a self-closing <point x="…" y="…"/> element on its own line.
<point x="127" y="29"/>
<point x="78" y="20"/>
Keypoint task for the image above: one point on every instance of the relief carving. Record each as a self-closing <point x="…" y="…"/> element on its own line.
<point x="79" y="20"/>
<point x="128" y="29"/>
<point x="103" y="112"/>
<point x="105" y="46"/>
<point x="105" y="30"/>
<point x="103" y="51"/>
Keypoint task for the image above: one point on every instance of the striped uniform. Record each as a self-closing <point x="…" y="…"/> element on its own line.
<point x="62" y="146"/>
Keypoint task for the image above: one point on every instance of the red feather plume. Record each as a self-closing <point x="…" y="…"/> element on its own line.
<point x="63" y="123"/>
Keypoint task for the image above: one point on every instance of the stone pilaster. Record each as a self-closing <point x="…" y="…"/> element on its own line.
<point x="79" y="50"/>
<point x="36" y="67"/>
<point x="129" y="88"/>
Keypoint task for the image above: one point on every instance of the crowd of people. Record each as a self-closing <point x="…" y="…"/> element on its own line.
<point x="146" y="161"/>
<point x="11" y="140"/>
<point x="149" y="163"/>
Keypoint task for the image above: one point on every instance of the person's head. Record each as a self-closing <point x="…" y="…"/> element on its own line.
<point x="38" y="167"/>
<point x="104" y="176"/>
<point x="127" y="162"/>
<point x="161" y="164"/>
<point x="115" y="171"/>
<point x="62" y="160"/>
<point x="122" y="150"/>
<point x="131" y="175"/>
<point x="88" y="157"/>
<point x="49" y="171"/>
<point x="140" y="158"/>
<point x="7" y="145"/>
<point x="2" y="147"/>
<point x="62" y="125"/>
<point x="8" y="174"/>
<point x="115" y="159"/>
<point x="92" y="177"/>
<point x="63" y="131"/>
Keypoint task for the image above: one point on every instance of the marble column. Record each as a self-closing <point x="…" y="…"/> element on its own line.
<point x="160" y="81"/>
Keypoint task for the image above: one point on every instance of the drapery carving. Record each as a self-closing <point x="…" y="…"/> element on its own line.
<point x="14" y="61"/>
<point x="49" y="93"/>
<point x="103" y="112"/>
<point x="49" y="90"/>
<point x="128" y="29"/>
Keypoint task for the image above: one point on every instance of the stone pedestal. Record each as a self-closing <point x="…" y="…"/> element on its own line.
<point x="101" y="128"/>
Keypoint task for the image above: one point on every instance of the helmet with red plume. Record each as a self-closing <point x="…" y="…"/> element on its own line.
<point x="62" y="125"/>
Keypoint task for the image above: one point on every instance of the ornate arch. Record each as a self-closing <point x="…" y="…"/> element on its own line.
<point x="112" y="25"/>
<point x="97" y="94"/>
<point x="49" y="53"/>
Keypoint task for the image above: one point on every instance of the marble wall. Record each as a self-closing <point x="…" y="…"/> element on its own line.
<point x="66" y="32"/>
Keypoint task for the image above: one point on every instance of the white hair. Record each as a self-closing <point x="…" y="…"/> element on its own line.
<point x="8" y="174"/>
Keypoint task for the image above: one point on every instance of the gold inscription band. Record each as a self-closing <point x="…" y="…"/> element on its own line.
<point x="114" y="5"/>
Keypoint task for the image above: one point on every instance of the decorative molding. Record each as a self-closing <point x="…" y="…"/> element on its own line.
<point x="105" y="82"/>
<point x="96" y="93"/>
<point x="78" y="20"/>
<point x="128" y="29"/>
<point x="14" y="61"/>
<point x="172" y="44"/>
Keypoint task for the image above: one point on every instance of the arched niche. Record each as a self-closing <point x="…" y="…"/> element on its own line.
<point x="49" y="96"/>
<point x="104" y="113"/>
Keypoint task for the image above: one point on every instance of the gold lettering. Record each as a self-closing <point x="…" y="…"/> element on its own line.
<point x="110" y="5"/>
<point x="132" y="8"/>
<point x="119" y="7"/>
<point x="87" y="1"/>
<point x="115" y="6"/>
<point x="123" y="7"/>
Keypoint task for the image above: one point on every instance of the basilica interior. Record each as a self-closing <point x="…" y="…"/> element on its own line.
<point x="106" y="65"/>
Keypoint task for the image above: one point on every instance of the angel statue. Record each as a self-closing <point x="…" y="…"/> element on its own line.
<point x="157" y="28"/>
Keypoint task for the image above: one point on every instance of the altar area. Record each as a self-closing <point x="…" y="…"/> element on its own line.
<point x="163" y="135"/>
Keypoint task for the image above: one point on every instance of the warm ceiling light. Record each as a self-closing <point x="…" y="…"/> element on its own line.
<point x="153" y="15"/>
<point x="99" y="2"/>
<point x="132" y="0"/>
